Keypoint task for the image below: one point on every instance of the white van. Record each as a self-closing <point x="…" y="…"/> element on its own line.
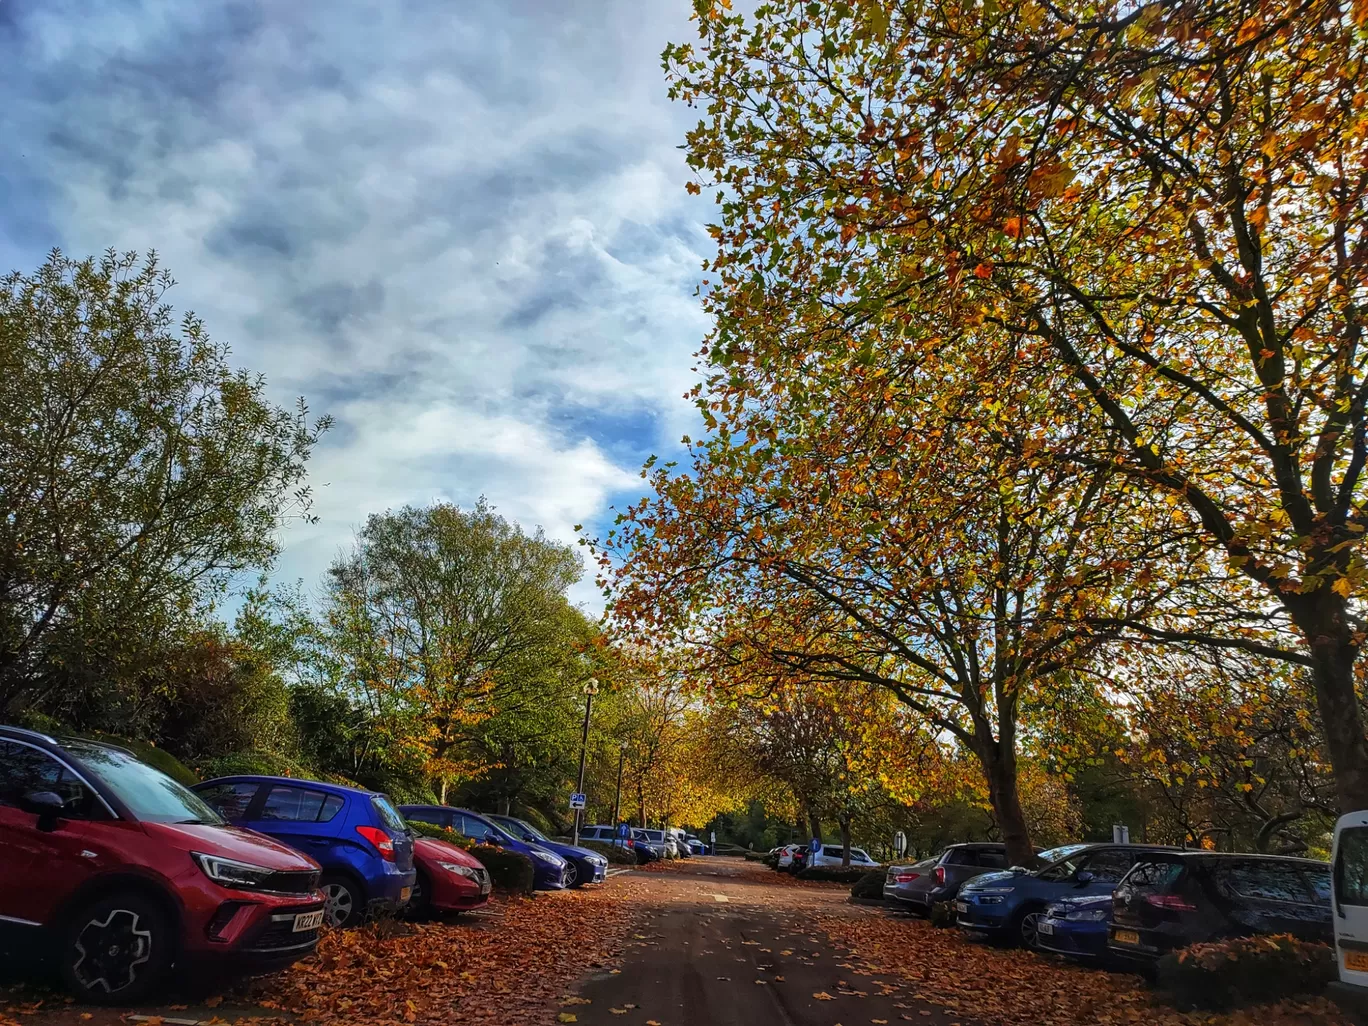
<point x="1349" y="894"/>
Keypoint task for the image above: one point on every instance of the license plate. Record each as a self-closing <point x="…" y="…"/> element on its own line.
<point x="484" y="886"/>
<point x="1356" y="961"/>
<point x="1126" y="937"/>
<point x="404" y="894"/>
<point x="1045" y="927"/>
<point x="308" y="921"/>
<point x="961" y="906"/>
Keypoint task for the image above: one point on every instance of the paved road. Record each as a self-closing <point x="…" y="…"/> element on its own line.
<point x="728" y="943"/>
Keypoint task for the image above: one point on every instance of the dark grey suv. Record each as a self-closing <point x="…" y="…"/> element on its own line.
<point x="917" y="887"/>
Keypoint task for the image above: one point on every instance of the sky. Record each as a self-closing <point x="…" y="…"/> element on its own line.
<point x="457" y="226"/>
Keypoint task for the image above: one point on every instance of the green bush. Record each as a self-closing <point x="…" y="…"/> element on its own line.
<point x="508" y="870"/>
<point x="771" y="860"/>
<point x="833" y="874"/>
<point x="617" y="855"/>
<point x="869" y="885"/>
<point x="1245" y="971"/>
<point x="942" y="913"/>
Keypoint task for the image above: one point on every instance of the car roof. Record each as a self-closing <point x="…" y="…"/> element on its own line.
<point x="979" y="845"/>
<point x="1245" y="856"/>
<point x="313" y="785"/>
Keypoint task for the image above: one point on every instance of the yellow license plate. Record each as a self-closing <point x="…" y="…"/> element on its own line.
<point x="1357" y="961"/>
<point x="404" y="894"/>
<point x="1126" y="937"/>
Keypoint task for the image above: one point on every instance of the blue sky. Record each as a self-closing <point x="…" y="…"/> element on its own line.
<point x="458" y="226"/>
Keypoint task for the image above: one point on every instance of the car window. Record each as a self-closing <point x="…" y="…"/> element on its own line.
<point x="231" y="800"/>
<point x="1109" y="866"/>
<point x="1267" y="881"/>
<point x="1351" y="867"/>
<point x="1319" y="882"/>
<point x="474" y="828"/>
<point x="1064" y="869"/>
<point x="992" y="860"/>
<point x="151" y="796"/>
<point x="24" y="769"/>
<point x="959" y="857"/>
<point x="388" y="814"/>
<point x="435" y="817"/>
<point x="300" y="805"/>
<point x="861" y="854"/>
<point x="1155" y="875"/>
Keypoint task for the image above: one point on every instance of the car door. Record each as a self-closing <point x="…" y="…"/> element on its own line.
<point x="1106" y="868"/>
<point x="305" y="819"/>
<point x="232" y="801"/>
<point x="39" y="867"/>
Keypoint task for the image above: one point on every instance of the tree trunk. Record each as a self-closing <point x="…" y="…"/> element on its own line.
<point x="816" y="825"/>
<point x="505" y="804"/>
<point x="444" y="790"/>
<point x="1333" y="654"/>
<point x="845" y="841"/>
<point x="999" y="767"/>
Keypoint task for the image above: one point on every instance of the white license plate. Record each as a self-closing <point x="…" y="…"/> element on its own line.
<point x="484" y="886"/>
<point x="1045" y="927"/>
<point x="308" y="921"/>
<point x="961" y="906"/>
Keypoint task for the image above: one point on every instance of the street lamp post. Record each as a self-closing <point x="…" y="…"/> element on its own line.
<point x="590" y="690"/>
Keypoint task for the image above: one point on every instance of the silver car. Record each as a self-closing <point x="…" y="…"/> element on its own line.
<point x="917" y="887"/>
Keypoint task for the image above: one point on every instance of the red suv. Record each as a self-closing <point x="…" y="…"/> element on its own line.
<point x="124" y="873"/>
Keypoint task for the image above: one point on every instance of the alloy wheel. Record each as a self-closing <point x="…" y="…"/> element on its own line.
<point x="571" y="874"/>
<point x="341" y="905"/>
<point x="111" y="950"/>
<point x="1030" y="930"/>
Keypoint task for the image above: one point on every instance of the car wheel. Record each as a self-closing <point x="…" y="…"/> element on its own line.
<point x="1028" y="928"/>
<point x="420" y="901"/>
<point x="572" y="873"/>
<point x="579" y="875"/>
<point x="343" y="906"/>
<point x="117" y="949"/>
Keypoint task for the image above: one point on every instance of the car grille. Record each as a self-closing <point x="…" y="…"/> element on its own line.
<point x="279" y="933"/>
<point x="300" y="882"/>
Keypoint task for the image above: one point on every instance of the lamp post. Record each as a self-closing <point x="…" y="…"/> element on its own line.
<point x="617" y="797"/>
<point x="590" y="690"/>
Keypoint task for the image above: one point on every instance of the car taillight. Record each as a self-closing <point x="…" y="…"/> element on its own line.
<point x="383" y="844"/>
<point x="940" y="874"/>
<point x="906" y="877"/>
<point x="1170" y="902"/>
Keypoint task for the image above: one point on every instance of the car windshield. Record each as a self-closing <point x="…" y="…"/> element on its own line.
<point x="521" y="829"/>
<point x="150" y="794"/>
<point x="1045" y="858"/>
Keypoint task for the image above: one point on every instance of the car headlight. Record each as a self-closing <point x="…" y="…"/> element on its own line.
<point x="242" y="876"/>
<point x="995" y="890"/>
<point x="992" y="899"/>
<point x="469" y="872"/>
<point x="1092" y="915"/>
<point x="548" y="858"/>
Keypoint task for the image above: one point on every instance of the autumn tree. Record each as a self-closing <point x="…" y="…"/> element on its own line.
<point x="1160" y="205"/>
<point x="138" y="473"/>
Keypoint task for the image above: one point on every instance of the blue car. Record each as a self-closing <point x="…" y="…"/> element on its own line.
<point x="1077" y="927"/>
<point x="357" y="836"/>
<point x="586" y="866"/>
<point x="1009" y="905"/>
<point x="550" y="871"/>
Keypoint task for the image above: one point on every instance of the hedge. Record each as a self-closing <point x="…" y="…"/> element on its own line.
<point x="942" y="913"/>
<point x="1245" y="971"/>
<point x="869" y="885"/>
<point x="508" y="870"/>
<point x="615" y="854"/>
<point x="834" y="874"/>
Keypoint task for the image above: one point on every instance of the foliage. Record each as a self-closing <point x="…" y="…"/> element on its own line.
<point x="138" y="472"/>
<point x="942" y="914"/>
<point x="869" y="885"/>
<point x="1246" y="971"/>
<point x="615" y="854"/>
<point x="833" y="874"/>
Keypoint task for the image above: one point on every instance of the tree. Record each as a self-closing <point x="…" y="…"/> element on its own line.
<point x="138" y="472"/>
<point x="1160" y="205"/>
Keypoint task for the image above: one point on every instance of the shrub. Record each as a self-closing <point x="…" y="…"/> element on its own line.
<point x="942" y="913"/>
<point x="833" y="874"/>
<point x="869" y="885"/>
<point x="771" y="860"/>
<point x="614" y="854"/>
<point x="1245" y="971"/>
<point x="508" y="870"/>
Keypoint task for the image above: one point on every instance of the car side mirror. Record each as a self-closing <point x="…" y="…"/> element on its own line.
<point x="47" y="806"/>
<point x="1084" y="877"/>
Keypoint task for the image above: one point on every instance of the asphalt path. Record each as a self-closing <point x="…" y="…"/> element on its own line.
<point x="725" y="943"/>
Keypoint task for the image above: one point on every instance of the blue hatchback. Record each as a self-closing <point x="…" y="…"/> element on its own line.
<point x="1077" y="927"/>
<point x="550" y="871"/>
<point x="1010" y="905"/>
<point x="357" y="836"/>
<point x="586" y="866"/>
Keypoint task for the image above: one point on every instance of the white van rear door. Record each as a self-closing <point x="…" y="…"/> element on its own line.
<point x="1350" y="897"/>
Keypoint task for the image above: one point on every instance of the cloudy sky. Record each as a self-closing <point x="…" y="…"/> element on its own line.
<point x="458" y="226"/>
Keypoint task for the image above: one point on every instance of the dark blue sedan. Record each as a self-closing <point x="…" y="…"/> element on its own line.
<point x="549" y="869"/>
<point x="1010" y="905"/>
<point x="586" y="866"/>
<point x="1076" y="927"/>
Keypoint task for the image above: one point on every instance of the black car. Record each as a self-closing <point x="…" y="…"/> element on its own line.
<point x="1171" y="900"/>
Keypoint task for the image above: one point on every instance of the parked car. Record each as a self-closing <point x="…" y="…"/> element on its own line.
<point x="829" y="856"/>
<point x="1077" y="927"/>
<point x="1349" y="891"/>
<point x="1009" y="905"/>
<point x="917" y="889"/>
<point x="1175" y="899"/>
<point x="585" y="866"/>
<point x="696" y="846"/>
<point x="786" y="854"/>
<point x="603" y="833"/>
<point x="122" y="873"/>
<point x="658" y="841"/>
<point x="681" y="842"/>
<point x="549" y="869"/>
<point x="449" y="878"/>
<point x="357" y="836"/>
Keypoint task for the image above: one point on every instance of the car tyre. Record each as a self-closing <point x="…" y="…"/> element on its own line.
<point x="118" y="949"/>
<point x="345" y="906"/>
<point x="579" y="874"/>
<point x="420" y="901"/>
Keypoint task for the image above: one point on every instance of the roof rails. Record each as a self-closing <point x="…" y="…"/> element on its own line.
<point x="25" y="732"/>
